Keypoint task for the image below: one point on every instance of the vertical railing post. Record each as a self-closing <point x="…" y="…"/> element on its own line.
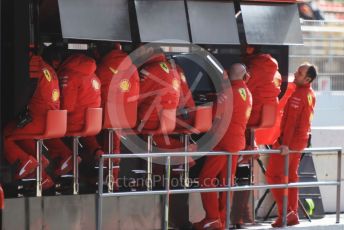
<point x="100" y="193"/>
<point x="110" y="166"/>
<point x="75" y="165"/>
<point x="339" y="179"/>
<point x="149" y="163"/>
<point x="39" y="145"/>
<point x="229" y="185"/>
<point x="186" y="161"/>
<point x="285" y="190"/>
<point x="167" y="188"/>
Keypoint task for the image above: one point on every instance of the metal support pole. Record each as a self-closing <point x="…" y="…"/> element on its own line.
<point x="110" y="166"/>
<point x="252" y="143"/>
<point x="229" y="184"/>
<point x="285" y="190"/>
<point x="149" y="163"/>
<point x="39" y="145"/>
<point x="339" y="178"/>
<point x="252" y="192"/>
<point x="75" y="165"/>
<point x="100" y="193"/>
<point x="167" y="188"/>
<point x="186" y="162"/>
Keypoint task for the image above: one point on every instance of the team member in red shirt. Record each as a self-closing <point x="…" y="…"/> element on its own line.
<point x="295" y="129"/>
<point x="233" y="141"/>
<point x="159" y="89"/>
<point x="185" y="113"/>
<point x="263" y="83"/>
<point x="120" y="86"/>
<point x="80" y="89"/>
<point x="46" y="97"/>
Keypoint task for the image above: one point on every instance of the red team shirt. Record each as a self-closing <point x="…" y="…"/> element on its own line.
<point x="159" y="89"/>
<point x="80" y="89"/>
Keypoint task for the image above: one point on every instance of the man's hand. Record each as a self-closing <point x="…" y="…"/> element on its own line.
<point x="221" y="98"/>
<point x="284" y="150"/>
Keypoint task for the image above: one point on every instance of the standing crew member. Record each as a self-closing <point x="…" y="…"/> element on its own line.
<point x="80" y="90"/>
<point x="295" y="130"/>
<point x="233" y="141"/>
<point x="46" y="97"/>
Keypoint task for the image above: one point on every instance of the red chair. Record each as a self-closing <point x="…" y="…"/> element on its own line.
<point x="56" y="126"/>
<point x="118" y="116"/>
<point x="167" y="124"/>
<point x="268" y="120"/>
<point x="93" y="125"/>
<point x="123" y="116"/>
<point x="202" y="124"/>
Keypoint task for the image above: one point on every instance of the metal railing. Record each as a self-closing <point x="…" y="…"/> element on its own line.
<point x="227" y="189"/>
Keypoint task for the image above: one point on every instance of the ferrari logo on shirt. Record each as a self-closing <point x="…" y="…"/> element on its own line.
<point x="114" y="71"/>
<point x="47" y="74"/>
<point x="242" y="93"/>
<point x="164" y="67"/>
<point x="95" y="84"/>
<point x="55" y="95"/>
<point x="124" y="85"/>
<point x="182" y="77"/>
<point x="310" y="99"/>
<point x="175" y="84"/>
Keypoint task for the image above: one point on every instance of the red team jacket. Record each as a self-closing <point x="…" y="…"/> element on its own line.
<point x="120" y="85"/>
<point x="159" y="88"/>
<point x="234" y="138"/>
<point x="47" y="94"/>
<point x="80" y="89"/>
<point x="297" y="117"/>
<point x="263" y="69"/>
<point x="116" y="67"/>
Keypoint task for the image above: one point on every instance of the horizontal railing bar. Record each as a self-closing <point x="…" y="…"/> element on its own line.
<point x="219" y="153"/>
<point x="224" y="189"/>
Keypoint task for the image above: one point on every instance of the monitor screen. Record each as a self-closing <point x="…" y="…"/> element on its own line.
<point x="213" y="22"/>
<point x="162" y="21"/>
<point x="106" y="20"/>
<point x="277" y="24"/>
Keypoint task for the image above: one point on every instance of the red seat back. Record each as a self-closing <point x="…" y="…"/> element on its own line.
<point x="120" y="115"/>
<point x="203" y="119"/>
<point x="269" y="116"/>
<point x="93" y="122"/>
<point x="56" y="124"/>
<point x="167" y="121"/>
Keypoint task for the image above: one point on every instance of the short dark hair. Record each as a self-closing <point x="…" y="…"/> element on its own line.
<point x="312" y="72"/>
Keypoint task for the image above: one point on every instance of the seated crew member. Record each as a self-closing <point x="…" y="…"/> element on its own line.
<point x="119" y="87"/>
<point x="185" y="117"/>
<point x="46" y="97"/>
<point x="159" y="87"/>
<point x="233" y="141"/>
<point x="80" y="90"/>
<point x="294" y="135"/>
